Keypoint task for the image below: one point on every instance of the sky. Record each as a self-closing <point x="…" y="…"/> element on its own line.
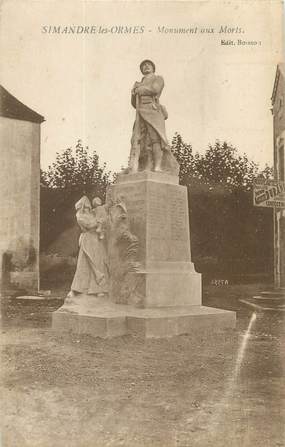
<point x="81" y="82"/>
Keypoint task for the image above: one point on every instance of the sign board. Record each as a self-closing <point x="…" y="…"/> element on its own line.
<point x="269" y="193"/>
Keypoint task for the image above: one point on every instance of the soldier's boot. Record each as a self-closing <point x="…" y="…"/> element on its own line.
<point x="157" y="155"/>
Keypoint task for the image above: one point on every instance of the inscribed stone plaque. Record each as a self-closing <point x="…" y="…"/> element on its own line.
<point x="167" y="223"/>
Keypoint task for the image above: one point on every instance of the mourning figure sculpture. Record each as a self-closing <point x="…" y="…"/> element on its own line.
<point x="91" y="275"/>
<point x="107" y="250"/>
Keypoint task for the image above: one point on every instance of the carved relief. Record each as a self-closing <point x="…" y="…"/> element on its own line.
<point x="122" y="252"/>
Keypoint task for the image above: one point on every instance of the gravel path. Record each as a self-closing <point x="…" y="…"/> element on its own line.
<point x="61" y="390"/>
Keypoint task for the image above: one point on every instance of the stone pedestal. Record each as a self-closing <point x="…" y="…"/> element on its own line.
<point x="162" y="296"/>
<point x="158" y="215"/>
<point x="100" y="317"/>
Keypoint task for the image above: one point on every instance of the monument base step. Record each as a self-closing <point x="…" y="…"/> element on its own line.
<point x="111" y="320"/>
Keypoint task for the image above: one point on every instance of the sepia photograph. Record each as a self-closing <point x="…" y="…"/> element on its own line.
<point x="142" y="223"/>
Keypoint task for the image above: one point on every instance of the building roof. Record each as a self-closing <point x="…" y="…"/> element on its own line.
<point x="11" y="107"/>
<point x="280" y="71"/>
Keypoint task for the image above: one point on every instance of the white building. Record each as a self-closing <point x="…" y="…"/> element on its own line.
<point x="19" y="193"/>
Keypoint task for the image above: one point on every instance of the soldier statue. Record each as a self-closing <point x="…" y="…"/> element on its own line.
<point x="150" y="150"/>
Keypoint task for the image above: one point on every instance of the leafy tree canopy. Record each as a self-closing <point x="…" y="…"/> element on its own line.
<point x="77" y="169"/>
<point x="80" y="169"/>
<point x="220" y="164"/>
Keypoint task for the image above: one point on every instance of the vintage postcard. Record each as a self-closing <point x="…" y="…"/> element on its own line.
<point x="142" y="222"/>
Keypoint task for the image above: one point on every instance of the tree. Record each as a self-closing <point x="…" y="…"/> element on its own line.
<point x="267" y="173"/>
<point x="221" y="164"/>
<point x="226" y="229"/>
<point x="75" y="172"/>
<point x="78" y="170"/>
<point x="184" y="155"/>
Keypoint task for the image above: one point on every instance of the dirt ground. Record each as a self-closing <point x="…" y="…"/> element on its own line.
<point x="62" y="390"/>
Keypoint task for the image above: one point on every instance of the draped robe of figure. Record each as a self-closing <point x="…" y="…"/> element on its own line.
<point x="91" y="276"/>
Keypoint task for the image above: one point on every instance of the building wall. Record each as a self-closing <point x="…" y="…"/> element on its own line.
<point x="19" y="201"/>
<point x="279" y="173"/>
<point x="279" y="108"/>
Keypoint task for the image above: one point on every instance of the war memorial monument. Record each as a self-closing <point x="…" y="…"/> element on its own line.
<point x="134" y="272"/>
